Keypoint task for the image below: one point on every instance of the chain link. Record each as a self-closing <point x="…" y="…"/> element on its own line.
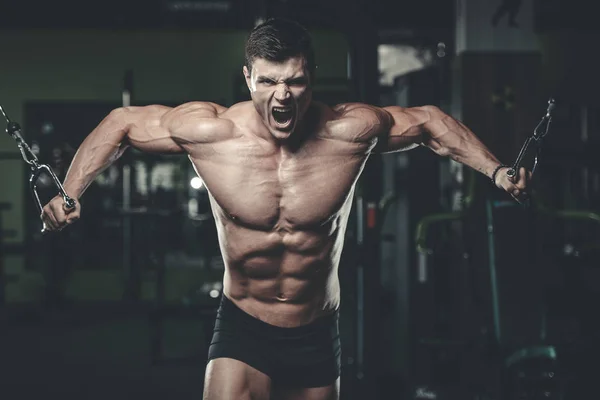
<point x="13" y="129"/>
<point x="26" y="152"/>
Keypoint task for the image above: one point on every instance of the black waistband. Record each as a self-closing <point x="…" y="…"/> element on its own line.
<point x="229" y="309"/>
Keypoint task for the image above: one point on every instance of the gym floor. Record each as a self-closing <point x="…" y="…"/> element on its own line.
<point x="97" y="355"/>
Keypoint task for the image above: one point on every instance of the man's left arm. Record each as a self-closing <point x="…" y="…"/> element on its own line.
<point x="429" y="126"/>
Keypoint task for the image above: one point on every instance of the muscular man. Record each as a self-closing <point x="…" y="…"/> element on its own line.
<point x="281" y="171"/>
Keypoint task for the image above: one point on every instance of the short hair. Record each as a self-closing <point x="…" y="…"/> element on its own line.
<point x="279" y="39"/>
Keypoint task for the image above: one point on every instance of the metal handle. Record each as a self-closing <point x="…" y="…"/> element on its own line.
<point x="14" y="130"/>
<point x="35" y="175"/>
<point x="536" y="139"/>
<point x="512" y="171"/>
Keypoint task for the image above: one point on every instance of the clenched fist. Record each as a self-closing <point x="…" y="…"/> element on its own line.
<point x="516" y="186"/>
<point x="56" y="215"/>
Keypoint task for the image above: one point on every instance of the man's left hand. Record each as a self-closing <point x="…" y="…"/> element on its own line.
<point x="516" y="186"/>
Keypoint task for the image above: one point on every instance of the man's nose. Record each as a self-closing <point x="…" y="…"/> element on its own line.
<point x="282" y="92"/>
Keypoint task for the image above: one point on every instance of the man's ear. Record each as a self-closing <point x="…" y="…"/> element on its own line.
<point x="246" y="73"/>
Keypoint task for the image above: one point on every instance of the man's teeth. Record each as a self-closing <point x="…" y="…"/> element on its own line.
<point x="282" y="109"/>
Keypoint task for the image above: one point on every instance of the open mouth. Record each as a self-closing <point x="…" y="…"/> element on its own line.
<point x="283" y="116"/>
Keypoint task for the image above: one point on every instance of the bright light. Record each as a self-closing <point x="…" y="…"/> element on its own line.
<point x="196" y="183"/>
<point x="214" y="293"/>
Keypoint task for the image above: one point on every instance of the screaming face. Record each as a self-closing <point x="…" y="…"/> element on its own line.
<point x="280" y="92"/>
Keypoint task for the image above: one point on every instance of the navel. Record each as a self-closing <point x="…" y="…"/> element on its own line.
<point x="281" y="297"/>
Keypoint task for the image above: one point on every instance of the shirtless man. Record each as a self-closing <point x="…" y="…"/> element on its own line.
<point x="281" y="171"/>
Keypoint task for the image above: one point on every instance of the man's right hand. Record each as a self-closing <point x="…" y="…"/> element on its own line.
<point x="56" y="216"/>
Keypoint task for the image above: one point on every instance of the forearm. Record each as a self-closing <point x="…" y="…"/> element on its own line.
<point x="103" y="146"/>
<point x="449" y="137"/>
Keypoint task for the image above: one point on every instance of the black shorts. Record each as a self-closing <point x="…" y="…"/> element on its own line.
<point x="302" y="357"/>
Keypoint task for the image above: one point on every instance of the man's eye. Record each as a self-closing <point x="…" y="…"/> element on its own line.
<point x="268" y="82"/>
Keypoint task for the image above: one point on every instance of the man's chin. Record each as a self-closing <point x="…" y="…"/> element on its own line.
<point x="281" y="134"/>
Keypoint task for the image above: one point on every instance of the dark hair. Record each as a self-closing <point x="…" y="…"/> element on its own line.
<point x="279" y="39"/>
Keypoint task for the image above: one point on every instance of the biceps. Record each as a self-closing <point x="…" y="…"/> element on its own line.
<point x="405" y="133"/>
<point x="398" y="143"/>
<point x="153" y="140"/>
<point x="159" y="145"/>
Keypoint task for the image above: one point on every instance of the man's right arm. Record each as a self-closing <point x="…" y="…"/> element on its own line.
<point x="140" y="127"/>
<point x="153" y="129"/>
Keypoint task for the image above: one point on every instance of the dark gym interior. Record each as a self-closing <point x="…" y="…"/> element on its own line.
<point x="450" y="288"/>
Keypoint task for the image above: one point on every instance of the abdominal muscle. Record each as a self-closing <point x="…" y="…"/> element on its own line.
<point x="290" y="280"/>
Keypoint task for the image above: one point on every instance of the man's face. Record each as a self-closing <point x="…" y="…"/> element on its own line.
<point x="281" y="93"/>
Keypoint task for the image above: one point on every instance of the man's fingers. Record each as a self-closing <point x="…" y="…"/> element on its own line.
<point x="68" y="210"/>
<point x="521" y="182"/>
<point x="49" y="220"/>
<point x="519" y="195"/>
<point x="73" y="216"/>
<point x="518" y="185"/>
<point x="56" y="215"/>
<point x="59" y="214"/>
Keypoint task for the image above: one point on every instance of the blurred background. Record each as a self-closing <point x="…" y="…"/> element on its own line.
<point x="451" y="290"/>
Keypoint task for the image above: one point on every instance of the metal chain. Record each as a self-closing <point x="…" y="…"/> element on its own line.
<point x="26" y="152"/>
<point x="13" y="129"/>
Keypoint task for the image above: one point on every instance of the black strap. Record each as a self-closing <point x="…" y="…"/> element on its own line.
<point x="498" y="168"/>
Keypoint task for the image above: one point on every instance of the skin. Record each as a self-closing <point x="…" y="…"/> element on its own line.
<point x="281" y="195"/>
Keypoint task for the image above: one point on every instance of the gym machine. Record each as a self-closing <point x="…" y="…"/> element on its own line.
<point x="527" y="371"/>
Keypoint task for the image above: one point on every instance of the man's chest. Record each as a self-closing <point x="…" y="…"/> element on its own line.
<point x="263" y="187"/>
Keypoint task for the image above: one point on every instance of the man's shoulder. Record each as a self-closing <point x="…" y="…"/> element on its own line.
<point x="359" y="110"/>
<point x="241" y="109"/>
<point x="232" y="113"/>
<point x="198" y="121"/>
<point x="358" y="121"/>
<point x="199" y="109"/>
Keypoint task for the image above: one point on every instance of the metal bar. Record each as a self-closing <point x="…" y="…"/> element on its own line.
<point x="426" y="222"/>
<point x="492" y="266"/>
